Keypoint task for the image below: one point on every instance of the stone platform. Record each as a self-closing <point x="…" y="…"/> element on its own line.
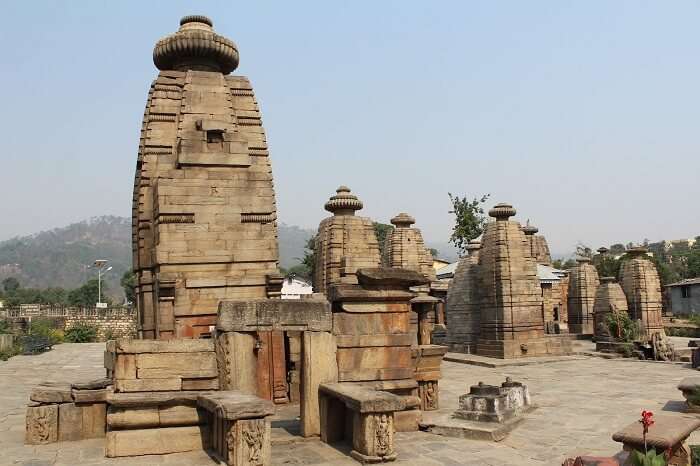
<point x="581" y="402"/>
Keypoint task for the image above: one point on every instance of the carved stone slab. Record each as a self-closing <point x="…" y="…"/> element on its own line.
<point x="362" y="399"/>
<point x="41" y="424"/>
<point x="274" y="314"/>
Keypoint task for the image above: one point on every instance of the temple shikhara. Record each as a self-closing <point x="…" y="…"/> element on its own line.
<point x="360" y="360"/>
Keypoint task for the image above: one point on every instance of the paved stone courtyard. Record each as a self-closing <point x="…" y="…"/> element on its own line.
<point x="580" y="403"/>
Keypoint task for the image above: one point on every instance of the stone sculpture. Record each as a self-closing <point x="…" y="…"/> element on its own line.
<point x="583" y="284"/>
<point x="204" y="205"/>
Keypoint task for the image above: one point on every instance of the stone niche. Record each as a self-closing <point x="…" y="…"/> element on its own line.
<point x="204" y="212"/>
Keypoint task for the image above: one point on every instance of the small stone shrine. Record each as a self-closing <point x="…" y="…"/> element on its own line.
<point x="583" y="284"/>
<point x="490" y="403"/>
<point x="641" y="284"/>
<point x="609" y="299"/>
<point x="405" y="247"/>
<point x="344" y="243"/>
<point x="463" y="314"/>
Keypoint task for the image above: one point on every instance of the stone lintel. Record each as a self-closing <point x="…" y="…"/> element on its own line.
<point x="234" y="405"/>
<point x="362" y="399"/>
<point x="274" y="314"/>
<point x="357" y="293"/>
<point x="133" y="346"/>
<point x="390" y="276"/>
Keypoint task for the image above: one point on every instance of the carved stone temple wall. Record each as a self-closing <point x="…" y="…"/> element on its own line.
<point x="204" y="205"/>
<point x="642" y="286"/>
<point x="583" y="284"/>
<point x="344" y="243"/>
<point x="405" y="247"/>
<point x="463" y="309"/>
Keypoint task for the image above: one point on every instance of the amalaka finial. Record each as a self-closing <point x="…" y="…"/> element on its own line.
<point x="403" y="220"/>
<point x="195" y="46"/>
<point x="502" y="211"/>
<point x="529" y="229"/>
<point x="343" y="203"/>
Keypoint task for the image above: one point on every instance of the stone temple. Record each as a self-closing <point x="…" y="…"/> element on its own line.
<point x="204" y="204"/>
<point x="641" y="284"/>
<point x="583" y="284"/>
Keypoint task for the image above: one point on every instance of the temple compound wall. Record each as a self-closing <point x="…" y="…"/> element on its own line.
<point x="204" y="205"/>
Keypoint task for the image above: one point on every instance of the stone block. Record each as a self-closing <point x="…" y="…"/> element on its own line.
<point x="70" y="422"/>
<point x="94" y="420"/>
<point x="248" y="442"/>
<point x="41" y="424"/>
<point x="159" y="441"/>
<point x="274" y="314"/>
<point x="171" y="365"/>
<point x="91" y="396"/>
<point x="52" y="393"/>
<point x="234" y="405"/>
<point x="200" y="384"/>
<point x="128" y="345"/>
<point x="125" y="366"/>
<point x="319" y="365"/>
<point x="148" y="385"/>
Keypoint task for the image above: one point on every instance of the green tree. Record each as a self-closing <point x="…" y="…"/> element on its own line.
<point x="617" y="248"/>
<point x="10" y="285"/>
<point x="469" y="220"/>
<point x="434" y="252"/>
<point x="381" y="230"/>
<point x="86" y="295"/>
<point x="693" y="263"/>
<point x="607" y="265"/>
<point x="309" y="259"/>
<point x="128" y="283"/>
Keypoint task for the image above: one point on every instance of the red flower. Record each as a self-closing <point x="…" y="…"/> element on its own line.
<point x="646" y="420"/>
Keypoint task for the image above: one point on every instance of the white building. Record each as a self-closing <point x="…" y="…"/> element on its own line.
<point x="294" y="288"/>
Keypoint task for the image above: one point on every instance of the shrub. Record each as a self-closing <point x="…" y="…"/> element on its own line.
<point x="46" y="328"/>
<point x="622" y="327"/>
<point x="4" y="326"/>
<point x="81" y="333"/>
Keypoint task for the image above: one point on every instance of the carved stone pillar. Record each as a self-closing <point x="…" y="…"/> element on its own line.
<point x="373" y="437"/>
<point x="248" y="443"/>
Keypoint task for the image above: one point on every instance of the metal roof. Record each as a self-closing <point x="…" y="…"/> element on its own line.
<point x="687" y="281"/>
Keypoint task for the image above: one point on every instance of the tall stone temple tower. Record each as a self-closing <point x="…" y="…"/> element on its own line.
<point x="642" y="286"/>
<point x="511" y="321"/>
<point x="583" y="284"/>
<point x="406" y="249"/>
<point x="204" y="205"/>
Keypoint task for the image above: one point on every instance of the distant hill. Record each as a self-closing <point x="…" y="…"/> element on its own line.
<point x="63" y="257"/>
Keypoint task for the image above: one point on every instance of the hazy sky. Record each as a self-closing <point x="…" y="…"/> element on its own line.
<point x="584" y="115"/>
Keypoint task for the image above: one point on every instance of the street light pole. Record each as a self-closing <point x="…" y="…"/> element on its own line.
<point x="100" y="263"/>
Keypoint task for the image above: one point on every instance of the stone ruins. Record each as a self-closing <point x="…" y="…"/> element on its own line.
<point x="218" y="349"/>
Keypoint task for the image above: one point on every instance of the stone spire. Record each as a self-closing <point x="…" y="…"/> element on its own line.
<point x="195" y="46"/>
<point x="404" y="247"/>
<point x="344" y="243"/>
<point x="583" y="284"/>
<point x="343" y="202"/>
<point x="511" y="320"/>
<point x="642" y="286"/>
<point x="462" y="315"/>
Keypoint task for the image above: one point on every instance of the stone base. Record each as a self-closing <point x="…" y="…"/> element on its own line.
<point x="550" y="345"/>
<point x="407" y="421"/>
<point x="444" y="424"/>
<point x="364" y="459"/>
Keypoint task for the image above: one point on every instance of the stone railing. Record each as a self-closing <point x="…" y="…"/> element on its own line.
<point x="41" y="310"/>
